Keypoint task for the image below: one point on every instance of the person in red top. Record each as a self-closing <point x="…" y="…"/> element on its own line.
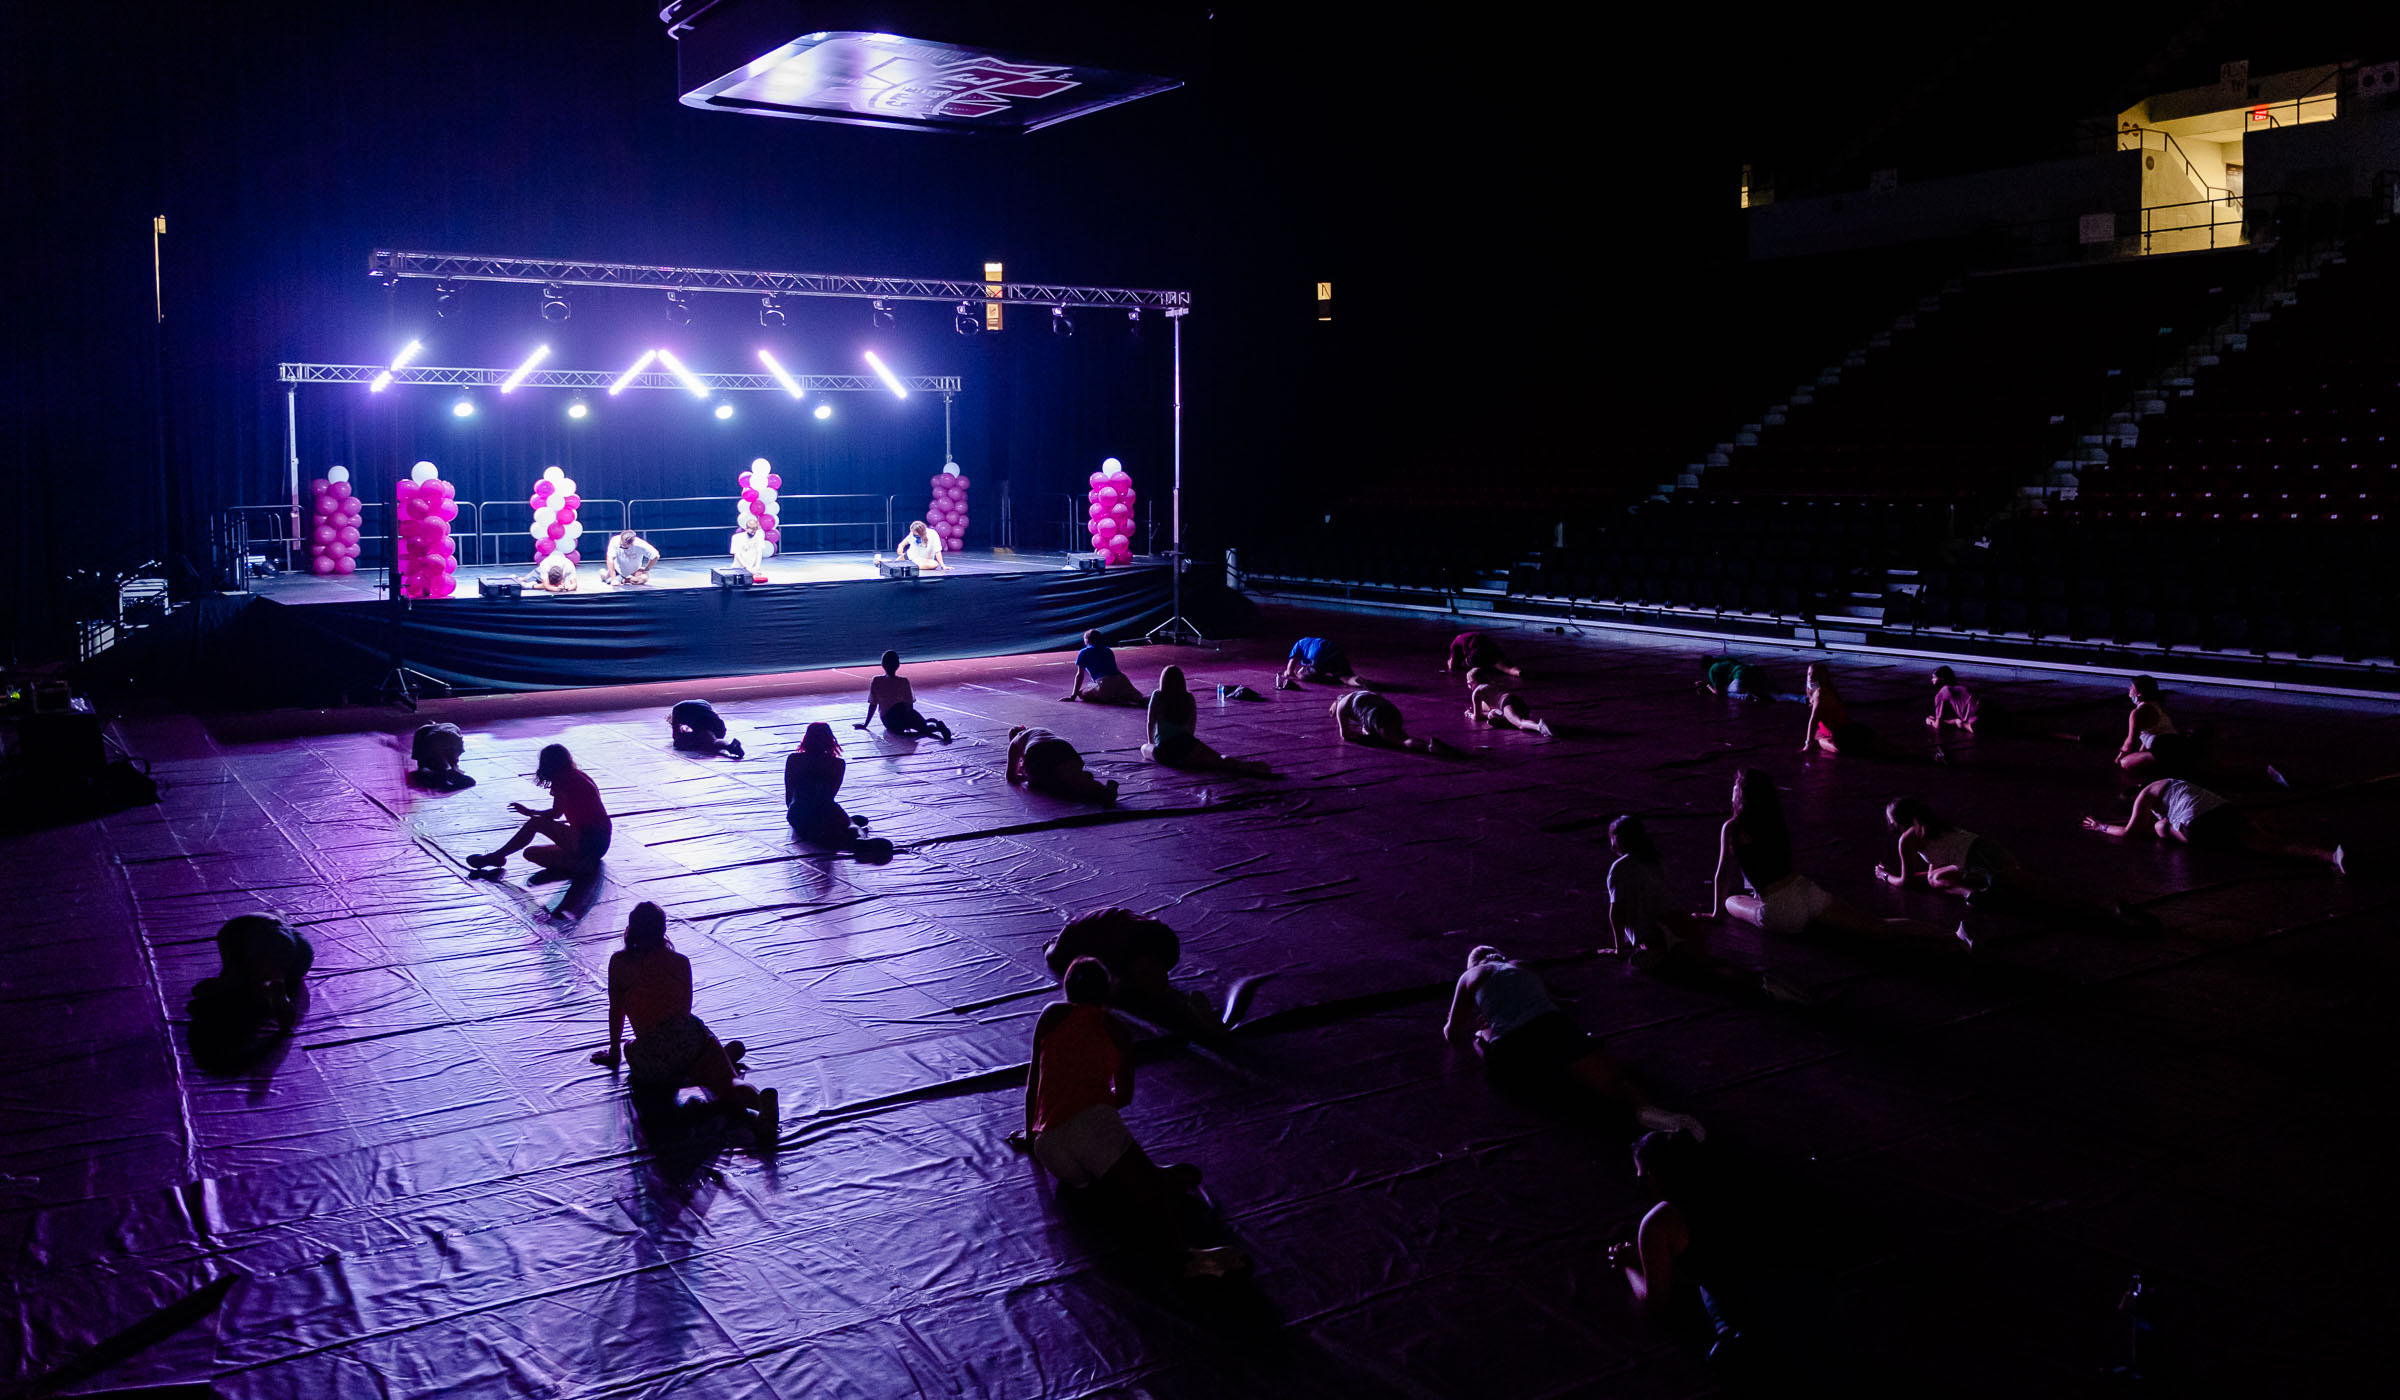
<point x="576" y="825"/>
<point x="1476" y="651"/>
<point x="1081" y="1074"/>
<point x="650" y="989"/>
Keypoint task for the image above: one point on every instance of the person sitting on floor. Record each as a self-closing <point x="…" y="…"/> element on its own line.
<point x="1046" y="763"/>
<point x="1174" y="732"/>
<point x="812" y="776"/>
<point x="629" y="559"/>
<point x="1668" y="1262"/>
<point x="1941" y="857"/>
<point x="261" y="961"/>
<point x="1755" y="847"/>
<point x="2186" y="813"/>
<point x="2153" y="746"/>
<point x="1488" y="704"/>
<point x="1473" y="651"/>
<point x="1369" y="717"/>
<point x="750" y="549"/>
<point x="696" y="727"/>
<point x="1139" y="952"/>
<point x="576" y="824"/>
<point x="437" y="750"/>
<point x="555" y="573"/>
<point x="1317" y="659"/>
<point x="1829" y="726"/>
<point x="1953" y="703"/>
<point x="1648" y="925"/>
<point x="1109" y="685"/>
<point x="650" y="991"/>
<point x="1501" y="1009"/>
<point x="892" y="695"/>
<point x="1080" y="1075"/>
<point x="922" y="547"/>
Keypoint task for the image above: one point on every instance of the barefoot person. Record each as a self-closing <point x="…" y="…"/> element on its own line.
<point x="650" y="990"/>
<point x="1502" y="1010"/>
<point x="1081" y="1074"/>
<point x="1755" y="847"/>
<point x="576" y="825"/>
<point x="1174" y="738"/>
<point x="694" y="726"/>
<point x="2153" y="744"/>
<point x="1941" y="857"/>
<point x="812" y="775"/>
<point x="437" y="750"/>
<point x="1046" y="763"/>
<point x="629" y="559"/>
<point x="1488" y="704"/>
<point x="1829" y="725"/>
<point x="1648" y="925"/>
<point x="892" y="696"/>
<point x="1368" y="717"/>
<point x="1317" y="659"/>
<point x="1139" y="952"/>
<point x="2188" y="814"/>
<point x="260" y="963"/>
<point x="922" y="547"/>
<point x="1471" y="651"/>
<point x="1097" y="664"/>
<point x="1953" y="704"/>
<point x="750" y="549"/>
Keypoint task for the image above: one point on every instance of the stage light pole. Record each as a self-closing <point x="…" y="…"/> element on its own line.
<point x="1176" y="628"/>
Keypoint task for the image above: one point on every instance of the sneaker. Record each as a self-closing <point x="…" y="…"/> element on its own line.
<point x="766" y="1128"/>
<point x="486" y="861"/>
<point x="734" y="747"/>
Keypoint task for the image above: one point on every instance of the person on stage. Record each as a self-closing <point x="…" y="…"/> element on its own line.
<point x="750" y="549"/>
<point x="555" y="573"/>
<point x="922" y="548"/>
<point x="629" y="559"/>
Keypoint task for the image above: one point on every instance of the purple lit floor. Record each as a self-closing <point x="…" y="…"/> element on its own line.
<point x="430" y="1190"/>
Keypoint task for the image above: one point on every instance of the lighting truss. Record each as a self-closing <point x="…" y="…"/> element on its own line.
<point x="464" y="378"/>
<point x="464" y="267"/>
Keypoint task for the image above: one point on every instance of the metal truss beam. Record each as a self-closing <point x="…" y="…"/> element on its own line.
<point x="464" y="267"/>
<point x="463" y="378"/>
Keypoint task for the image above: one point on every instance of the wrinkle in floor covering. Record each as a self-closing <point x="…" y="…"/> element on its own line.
<point x="1959" y="1160"/>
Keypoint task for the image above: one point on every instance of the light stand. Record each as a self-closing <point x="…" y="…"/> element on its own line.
<point x="1176" y="628"/>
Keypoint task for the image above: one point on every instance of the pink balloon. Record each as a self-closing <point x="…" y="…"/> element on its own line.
<point x="962" y="481"/>
<point x="557" y="531"/>
<point x="542" y="548"/>
<point x="774" y="481"/>
<point x="1097" y="478"/>
<point x="566" y="517"/>
<point x="1105" y="493"/>
<point x="446" y="512"/>
<point x="1119" y="542"/>
<point x="345" y="565"/>
<point x="319" y="486"/>
<point x="543" y="486"/>
<point x="750" y="495"/>
<point x="320" y="565"/>
<point x="339" y="490"/>
<point x="325" y="505"/>
<point x="347" y="534"/>
<point x="574" y="503"/>
<point x="449" y="564"/>
<point x="575" y="556"/>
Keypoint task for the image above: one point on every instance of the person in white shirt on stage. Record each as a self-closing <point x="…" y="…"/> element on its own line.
<point x="555" y="573"/>
<point x="750" y="550"/>
<point x="922" y="548"/>
<point x="629" y="559"/>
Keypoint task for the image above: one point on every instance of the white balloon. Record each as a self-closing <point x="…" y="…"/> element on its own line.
<point x="539" y="531"/>
<point x="545" y="514"/>
<point x="759" y="467"/>
<point x="566" y="486"/>
<point x="1112" y="467"/>
<point x="554" y="474"/>
<point x="337" y="474"/>
<point x="423" y="472"/>
<point x="775" y="508"/>
<point x="574" y="529"/>
<point x="949" y="468"/>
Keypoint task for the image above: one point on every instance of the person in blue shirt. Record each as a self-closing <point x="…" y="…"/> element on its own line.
<point x="1107" y="685"/>
<point x="1317" y="659"/>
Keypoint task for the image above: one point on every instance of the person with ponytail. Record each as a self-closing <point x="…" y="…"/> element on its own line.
<point x="650" y="991"/>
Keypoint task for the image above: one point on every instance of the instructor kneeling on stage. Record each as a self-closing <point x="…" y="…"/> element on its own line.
<point x="629" y="559"/>
<point x="922" y="548"/>
<point x="750" y="550"/>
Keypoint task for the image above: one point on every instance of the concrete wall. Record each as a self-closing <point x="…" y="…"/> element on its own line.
<point x="2058" y="190"/>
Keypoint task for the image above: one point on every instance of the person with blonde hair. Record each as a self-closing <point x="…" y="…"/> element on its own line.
<point x="576" y="824"/>
<point x="922" y="547"/>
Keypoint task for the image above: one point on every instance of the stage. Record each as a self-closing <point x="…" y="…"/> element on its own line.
<point x="304" y="640"/>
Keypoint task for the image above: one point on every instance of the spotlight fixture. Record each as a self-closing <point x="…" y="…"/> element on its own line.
<point x="770" y="311"/>
<point x="890" y="380"/>
<point x="783" y="376"/>
<point x="517" y="376"/>
<point x="554" y="303"/>
<point x="464" y="408"/>
<point x="628" y="376"/>
<point x="824" y="410"/>
<point x="679" y="307"/>
<point x="445" y="299"/>
<point x="1133" y="323"/>
<point x="965" y="321"/>
<point x="578" y="409"/>
<point x="879" y="317"/>
<point x="690" y="380"/>
<point x="724" y="410"/>
<point x="1060" y="322"/>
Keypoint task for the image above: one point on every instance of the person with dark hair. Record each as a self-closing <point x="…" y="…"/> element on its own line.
<point x="1501" y="1009"/>
<point x="694" y="726"/>
<point x="2186" y="813"/>
<point x="1755" y="847"/>
<point x="576" y="823"/>
<point x="437" y="750"/>
<point x="1317" y="659"/>
<point x="1474" y="651"/>
<point x="555" y="573"/>
<point x="1829" y="725"/>
<point x="1722" y="675"/>
<point x="1369" y="717"/>
<point x="628" y="559"/>
<point x="1046" y="763"/>
<point x="892" y="695"/>
<point x="1080" y="1075"/>
<point x="1488" y="704"/>
<point x="2153" y="745"/>
<point x="1648" y="925"/>
<point x="812" y="776"/>
<point x="1941" y="856"/>
<point x="1139" y="952"/>
<point x="650" y="990"/>
<point x="1174" y="732"/>
<point x="1668" y="1263"/>
<point x="261" y="961"/>
<point x="1953" y="704"/>
<point x="1097" y="664"/>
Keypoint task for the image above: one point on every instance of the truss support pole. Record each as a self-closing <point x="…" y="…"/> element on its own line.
<point x="1175" y="628"/>
<point x="291" y="462"/>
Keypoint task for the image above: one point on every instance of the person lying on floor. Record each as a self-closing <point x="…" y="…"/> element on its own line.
<point x="1501" y="1009"/>
<point x="2188" y="814"/>
<point x="1668" y="1263"/>
<point x="1949" y="861"/>
<point x="812" y="777"/>
<point x="1046" y="763"/>
<point x="1097" y="663"/>
<point x="1755" y="847"/>
<point x="576" y="824"/>
<point x="1650" y="928"/>
<point x="694" y="726"/>
<point x="260" y="963"/>
<point x="1368" y="717"/>
<point x="437" y="750"/>
<point x="1081" y="1074"/>
<point x="650" y="991"/>
<point x="1488" y="704"/>
<point x="892" y="696"/>
<point x="1319" y="659"/>
<point x="555" y="573"/>
<point x="1477" y="651"/>
<point x="1139" y="952"/>
<point x="1174" y="732"/>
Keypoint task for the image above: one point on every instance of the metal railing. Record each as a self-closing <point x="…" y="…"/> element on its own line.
<point x="489" y="541"/>
<point x="2194" y="225"/>
<point x="278" y="543"/>
<point x="654" y="516"/>
<point x="2141" y="137"/>
<point x="1074" y="536"/>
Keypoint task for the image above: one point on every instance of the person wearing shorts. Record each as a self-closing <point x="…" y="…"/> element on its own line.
<point x="1175" y="740"/>
<point x="1369" y="717"/>
<point x="650" y="992"/>
<point x="1942" y="857"/>
<point x="577" y="825"/>
<point x="1044" y="762"/>
<point x="892" y="696"/>
<point x="1108" y="685"/>
<point x="1755" y="847"/>
<point x="1316" y="659"/>
<point x="1501" y="1008"/>
<point x="694" y="726"/>
<point x="2173" y="809"/>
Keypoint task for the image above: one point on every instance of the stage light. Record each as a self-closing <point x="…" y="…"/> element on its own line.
<point x="690" y="380"/>
<point x="824" y="410"/>
<point x="783" y="376"/>
<point x="770" y="311"/>
<point x="890" y="380"/>
<point x="1060" y="322"/>
<point x="880" y="317"/>
<point x="445" y="299"/>
<point x="408" y="352"/>
<point x="679" y="308"/>
<point x="517" y="376"/>
<point x="638" y="366"/>
<point x="464" y="408"/>
<point x="1133" y="323"/>
<point x="995" y="290"/>
<point x="555" y="306"/>
<point x="724" y="410"/>
<point x="965" y="321"/>
<point x="578" y="409"/>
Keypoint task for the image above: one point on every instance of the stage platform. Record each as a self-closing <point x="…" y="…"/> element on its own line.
<point x="303" y="640"/>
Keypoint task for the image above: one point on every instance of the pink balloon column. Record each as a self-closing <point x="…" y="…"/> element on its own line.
<point x="556" y="505"/>
<point x="1111" y="514"/>
<point x="426" y="561"/>
<point x="757" y="486"/>
<point x="332" y="526"/>
<point x="946" y="516"/>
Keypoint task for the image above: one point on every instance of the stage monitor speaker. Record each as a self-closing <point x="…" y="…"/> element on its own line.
<point x="500" y="587"/>
<point x="730" y="576"/>
<point x="895" y="568"/>
<point x="1088" y="563"/>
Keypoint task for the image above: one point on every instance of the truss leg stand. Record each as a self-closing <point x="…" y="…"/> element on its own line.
<point x="401" y="687"/>
<point x="1177" y="628"/>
